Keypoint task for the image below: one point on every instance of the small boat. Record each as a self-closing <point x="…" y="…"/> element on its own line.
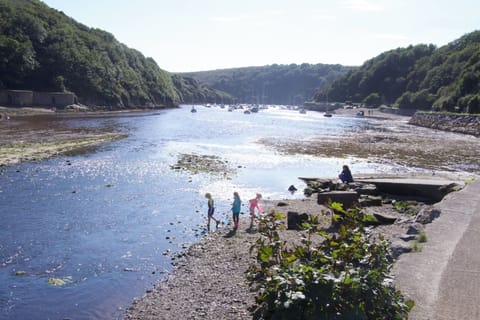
<point x="302" y="110"/>
<point x="327" y="114"/>
<point x="193" y="109"/>
<point x="246" y="111"/>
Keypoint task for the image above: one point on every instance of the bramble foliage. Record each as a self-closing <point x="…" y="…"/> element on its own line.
<point x="345" y="276"/>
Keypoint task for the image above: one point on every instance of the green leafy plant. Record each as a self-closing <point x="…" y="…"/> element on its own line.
<point x="422" y="236"/>
<point x="345" y="276"/>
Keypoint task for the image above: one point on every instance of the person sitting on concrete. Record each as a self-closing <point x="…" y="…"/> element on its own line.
<point x="346" y="175"/>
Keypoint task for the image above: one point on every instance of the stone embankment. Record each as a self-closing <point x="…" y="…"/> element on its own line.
<point x="467" y="124"/>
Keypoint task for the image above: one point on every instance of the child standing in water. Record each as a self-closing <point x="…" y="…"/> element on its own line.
<point x="236" y="207"/>
<point x="254" y="204"/>
<point x="211" y="210"/>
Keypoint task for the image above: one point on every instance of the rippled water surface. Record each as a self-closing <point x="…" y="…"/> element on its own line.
<point x="107" y="224"/>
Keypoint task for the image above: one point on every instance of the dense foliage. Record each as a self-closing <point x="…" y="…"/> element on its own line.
<point x="417" y="77"/>
<point x="191" y="91"/>
<point x="274" y="84"/>
<point x="42" y="49"/>
<point x="345" y="276"/>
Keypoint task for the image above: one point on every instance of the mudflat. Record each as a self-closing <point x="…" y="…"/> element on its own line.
<point x="29" y="134"/>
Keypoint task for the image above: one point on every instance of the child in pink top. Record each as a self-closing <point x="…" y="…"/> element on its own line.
<point x="254" y="204"/>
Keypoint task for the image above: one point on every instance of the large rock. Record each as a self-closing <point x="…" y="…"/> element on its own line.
<point x="295" y="220"/>
<point x="427" y="215"/>
<point x="347" y="198"/>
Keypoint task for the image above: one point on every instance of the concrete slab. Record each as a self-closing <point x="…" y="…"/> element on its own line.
<point x="434" y="189"/>
<point x="443" y="279"/>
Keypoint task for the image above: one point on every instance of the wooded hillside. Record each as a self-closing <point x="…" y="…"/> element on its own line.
<point x="42" y="49"/>
<point x="416" y="77"/>
<point x="273" y="84"/>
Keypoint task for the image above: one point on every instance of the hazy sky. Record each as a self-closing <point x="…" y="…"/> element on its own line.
<point x="195" y="35"/>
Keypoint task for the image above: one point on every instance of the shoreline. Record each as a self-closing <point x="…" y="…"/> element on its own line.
<point x="209" y="282"/>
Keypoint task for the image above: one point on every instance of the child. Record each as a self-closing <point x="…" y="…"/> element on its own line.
<point x="254" y="204"/>
<point x="211" y="209"/>
<point x="346" y="175"/>
<point x="236" y="207"/>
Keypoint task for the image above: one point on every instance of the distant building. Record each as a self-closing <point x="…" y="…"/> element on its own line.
<point x="25" y="98"/>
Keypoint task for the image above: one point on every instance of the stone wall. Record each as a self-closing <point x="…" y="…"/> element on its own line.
<point x="25" y="98"/>
<point x="460" y="123"/>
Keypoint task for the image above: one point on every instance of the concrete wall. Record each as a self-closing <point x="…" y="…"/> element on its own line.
<point x="17" y="98"/>
<point x="24" y="98"/>
<point x="461" y="123"/>
<point x="53" y="99"/>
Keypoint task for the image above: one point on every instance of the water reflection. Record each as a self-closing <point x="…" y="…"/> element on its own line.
<point x="112" y="221"/>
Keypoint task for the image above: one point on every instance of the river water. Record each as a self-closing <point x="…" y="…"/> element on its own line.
<point x="106" y="225"/>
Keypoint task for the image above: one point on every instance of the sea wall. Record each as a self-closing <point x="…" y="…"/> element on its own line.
<point x="460" y="123"/>
<point x="26" y="98"/>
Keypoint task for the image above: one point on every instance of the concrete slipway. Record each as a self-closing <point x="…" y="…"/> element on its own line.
<point x="444" y="277"/>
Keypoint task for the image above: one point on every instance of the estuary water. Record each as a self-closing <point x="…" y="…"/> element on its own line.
<point x="82" y="235"/>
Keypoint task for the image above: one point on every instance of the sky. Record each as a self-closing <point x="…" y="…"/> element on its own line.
<point x="199" y="35"/>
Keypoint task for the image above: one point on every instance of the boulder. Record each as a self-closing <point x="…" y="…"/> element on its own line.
<point x="384" y="218"/>
<point x="415" y="228"/>
<point x="400" y="247"/>
<point x="295" y="220"/>
<point x="365" y="188"/>
<point x="427" y="215"/>
<point x="370" y="201"/>
<point x="347" y="198"/>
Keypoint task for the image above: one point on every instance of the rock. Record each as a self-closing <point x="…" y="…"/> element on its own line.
<point x="427" y="215"/>
<point x="384" y="218"/>
<point x="295" y="220"/>
<point x="308" y="191"/>
<point x="415" y="228"/>
<point x="399" y="247"/>
<point x="408" y="237"/>
<point x="370" y="201"/>
<point x="347" y="198"/>
<point x="365" y="188"/>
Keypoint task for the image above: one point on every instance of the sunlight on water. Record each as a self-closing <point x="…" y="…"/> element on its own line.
<point x="109" y="224"/>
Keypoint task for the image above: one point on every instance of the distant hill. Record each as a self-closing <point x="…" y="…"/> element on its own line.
<point x="416" y="77"/>
<point x="273" y="84"/>
<point x="42" y="49"/>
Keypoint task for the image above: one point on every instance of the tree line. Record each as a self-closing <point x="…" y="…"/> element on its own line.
<point x="42" y="49"/>
<point x="273" y="84"/>
<point x="417" y="77"/>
